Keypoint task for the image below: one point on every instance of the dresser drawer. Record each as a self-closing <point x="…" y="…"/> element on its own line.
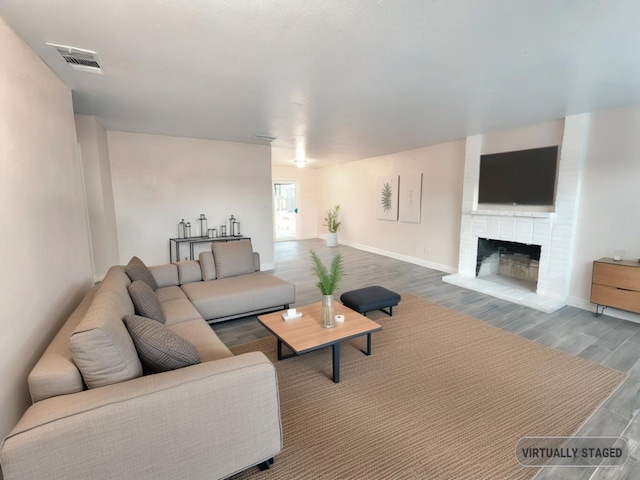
<point x="620" y="276"/>
<point x="615" y="297"/>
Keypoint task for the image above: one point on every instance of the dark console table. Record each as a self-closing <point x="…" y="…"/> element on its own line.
<point x="174" y="244"/>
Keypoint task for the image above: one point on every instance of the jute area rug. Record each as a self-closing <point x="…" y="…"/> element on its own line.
<point x="443" y="396"/>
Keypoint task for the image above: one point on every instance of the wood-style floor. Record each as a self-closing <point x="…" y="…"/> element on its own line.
<point x="605" y="340"/>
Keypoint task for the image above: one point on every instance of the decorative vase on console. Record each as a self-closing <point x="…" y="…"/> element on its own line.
<point x="328" y="279"/>
<point x="202" y="221"/>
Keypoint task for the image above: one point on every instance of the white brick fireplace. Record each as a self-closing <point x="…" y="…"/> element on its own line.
<point x="553" y="231"/>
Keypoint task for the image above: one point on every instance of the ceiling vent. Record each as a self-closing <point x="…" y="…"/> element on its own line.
<point x="79" y="58"/>
<point x="264" y="138"/>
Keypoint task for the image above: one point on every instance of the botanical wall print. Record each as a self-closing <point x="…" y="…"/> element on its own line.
<point x="410" y="197"/>
<point x="387" y="197"/>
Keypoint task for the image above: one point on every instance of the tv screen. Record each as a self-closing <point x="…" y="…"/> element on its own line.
<point x="524" y="177"/>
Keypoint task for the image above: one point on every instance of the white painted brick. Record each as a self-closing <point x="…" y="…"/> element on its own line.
<point x="540" y="238"/>
<point x="507" y="230"/>
<point x="493" y="228"/>
<point x="524" y="231"/>
<point x="479" y="227"/>
<point x="557" y="269"/>
<point x="561" y="230"/>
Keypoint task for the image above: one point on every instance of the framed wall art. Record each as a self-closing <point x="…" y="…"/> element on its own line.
<point x="387" y="197"/>
<point x="410" y="201"/>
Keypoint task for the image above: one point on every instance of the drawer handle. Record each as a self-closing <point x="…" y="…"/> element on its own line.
<point x="625" y="289"/>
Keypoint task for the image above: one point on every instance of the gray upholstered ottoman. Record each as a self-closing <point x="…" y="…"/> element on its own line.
<point x="368" y="299"/>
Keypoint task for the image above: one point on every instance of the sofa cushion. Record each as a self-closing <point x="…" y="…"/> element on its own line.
<point x="180" y="310"/>
<point x="159" y="348"/>
<point x="240" y="294"/>
<point x="137" y="270"/>
<point x="202" y="336"/>
<point x="166" y="294"/>
<point x="145" y="301"/>
<point x="101" y="346"/>
<point x="233" y="258"/>
<point x="189" y="271"/>
<point x="207" y="265"/>
<point x="165" y="275"/>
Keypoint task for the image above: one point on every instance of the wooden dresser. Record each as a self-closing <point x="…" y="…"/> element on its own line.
<point x="616" y="284"/>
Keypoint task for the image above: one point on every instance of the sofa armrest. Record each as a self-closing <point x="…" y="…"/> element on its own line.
<point x="209" y="420"/>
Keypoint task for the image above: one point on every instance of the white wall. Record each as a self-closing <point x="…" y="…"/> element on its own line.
<point x="534" y="136"/>
<point x="158" y="180"/>
<point x="96" y="172"/>
<point x="41" y="213"/>
<point x="609" y="216"/>
<point x="433" y="242"/>
<point x="306" y="180"/>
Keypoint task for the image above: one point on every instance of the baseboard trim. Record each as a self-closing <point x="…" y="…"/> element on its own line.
<point x="97" y="278"/>
<point x="399" y="256"/>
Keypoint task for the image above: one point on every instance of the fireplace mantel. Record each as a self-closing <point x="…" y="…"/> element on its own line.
<point x="511" y="213"/>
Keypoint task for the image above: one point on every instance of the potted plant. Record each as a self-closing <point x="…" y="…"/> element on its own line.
<point x="332" y="224"/>
<point x="328" y="279"/>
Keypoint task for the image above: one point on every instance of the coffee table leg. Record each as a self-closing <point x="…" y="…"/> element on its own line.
<point x="368" y="352"/>
<point x="336" y="362"/>
<point x="279" y="349"/>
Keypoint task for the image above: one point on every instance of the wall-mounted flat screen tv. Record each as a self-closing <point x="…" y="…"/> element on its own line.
<point x="524" y="177"/>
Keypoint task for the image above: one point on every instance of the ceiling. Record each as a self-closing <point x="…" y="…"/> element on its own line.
<point x="338" y="80"/>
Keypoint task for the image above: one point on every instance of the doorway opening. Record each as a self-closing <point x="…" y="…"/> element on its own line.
<point x="285" y="210"/>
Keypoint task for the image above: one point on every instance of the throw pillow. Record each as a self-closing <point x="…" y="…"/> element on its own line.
<point x="159" y="348"/>
<point x="145" y="301"/>
<point x="137" y="270"/>
<point x="101" y="346"/>
<point x="233" y="258"/>
<point x="207" y="265"/>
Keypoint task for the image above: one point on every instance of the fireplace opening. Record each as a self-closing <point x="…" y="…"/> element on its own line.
<point x="511" y="260"/>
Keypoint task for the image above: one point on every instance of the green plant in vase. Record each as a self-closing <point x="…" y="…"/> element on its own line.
<point x="328" y="279"/>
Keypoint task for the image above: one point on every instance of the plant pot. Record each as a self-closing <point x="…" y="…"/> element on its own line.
<point x="332" y="239"/>
<point x="326" y="312"/>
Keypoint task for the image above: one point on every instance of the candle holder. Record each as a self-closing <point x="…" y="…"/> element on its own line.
<point x="202" y="221"/>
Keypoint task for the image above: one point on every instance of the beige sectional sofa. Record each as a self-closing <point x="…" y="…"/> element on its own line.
<point x="94" y="414"/>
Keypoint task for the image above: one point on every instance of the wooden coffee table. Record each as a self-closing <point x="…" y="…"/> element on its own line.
<point x="306" y="334"/>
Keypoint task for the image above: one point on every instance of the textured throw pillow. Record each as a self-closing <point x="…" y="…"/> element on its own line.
<point x="146" y="301"/>
<point x="137" y="270"/>
<point x="233" y="258"/>
<point x="159" y="348"/>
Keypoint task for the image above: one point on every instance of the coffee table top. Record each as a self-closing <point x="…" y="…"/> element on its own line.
<point x="306" y="333"/>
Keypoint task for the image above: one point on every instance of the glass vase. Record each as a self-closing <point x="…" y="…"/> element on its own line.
<point x="326" y="312"/>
